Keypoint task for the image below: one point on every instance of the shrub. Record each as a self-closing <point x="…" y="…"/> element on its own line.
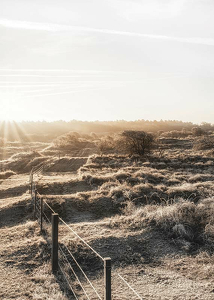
<point x="204" y="143"/>
<point x="107" y="145"/>
<point x="72" y="141"/>
<point x="197" y="131"/>
<point x="128" y="142"/>
<point x="136" y="142"/>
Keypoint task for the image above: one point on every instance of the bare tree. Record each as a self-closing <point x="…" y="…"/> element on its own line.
<point x="137" y="142"/>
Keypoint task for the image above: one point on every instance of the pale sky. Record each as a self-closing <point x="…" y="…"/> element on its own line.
<point x="107" y="60"/>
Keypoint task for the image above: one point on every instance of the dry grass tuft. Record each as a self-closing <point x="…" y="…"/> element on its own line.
<point x="6" y="174"/>
<point x="184" y="220"/>
<point x="158" y="219"/>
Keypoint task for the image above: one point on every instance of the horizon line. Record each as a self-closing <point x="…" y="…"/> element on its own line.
<point x="101" y="121"/>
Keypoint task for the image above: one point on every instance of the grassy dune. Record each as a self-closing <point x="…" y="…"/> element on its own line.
<point x="153" y="216"/>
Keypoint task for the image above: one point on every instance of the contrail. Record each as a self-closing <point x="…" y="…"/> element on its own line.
<point x="30" y="84"/>
<point x="94" y="72"/>
<point x="35" y="75"/>
<point x="67" y="92"/>
<point x="57" y="28"/>
<point x="59" y="76"/>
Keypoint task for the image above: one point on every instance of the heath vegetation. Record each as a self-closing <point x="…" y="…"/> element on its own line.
<point x="140" y="192"/>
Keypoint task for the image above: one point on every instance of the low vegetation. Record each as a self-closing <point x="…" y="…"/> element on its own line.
<point x="205" y="143"/>
<point x="6" y="174"/>
<point x="144" y="199"/>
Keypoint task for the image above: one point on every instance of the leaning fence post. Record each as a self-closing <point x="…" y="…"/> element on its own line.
<point x="41" y="213"/>
<point x="35" y="199"/>
<point x="107" y="278"/>
<point x="54" y="250"/>
<point x="31" y="185"/>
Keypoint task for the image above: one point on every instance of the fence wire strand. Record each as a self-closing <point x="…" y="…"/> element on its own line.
<point x="82" y="239"/>
<point x="68" y="281"/>
<point x="37" y="209"/>
<point x="74" y="272"/>
<point x="46" y="217"/>
<point x="37" y="171"/>
<point x="139" y="297"/>
<point x="86" y="277"/>
<point x="49" y="207"/>
<point x="97" y="254"/>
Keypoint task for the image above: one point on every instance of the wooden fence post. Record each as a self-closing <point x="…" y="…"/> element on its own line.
<point x="41" y="214"/>
<point x="35" y="199"/>
<point x="30" y="180"/>
<point x="31" y="185"/>
<point x="54" y="250"/>
<point x="107" y="278"/>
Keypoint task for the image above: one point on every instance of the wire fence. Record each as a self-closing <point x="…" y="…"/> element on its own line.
<point x="66" y="259"/>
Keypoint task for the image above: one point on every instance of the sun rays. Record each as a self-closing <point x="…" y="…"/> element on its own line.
<point x="10" y="132"/>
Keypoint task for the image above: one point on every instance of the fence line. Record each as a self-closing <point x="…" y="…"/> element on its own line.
<point x="35" y="197"/>
<point x="72" y="254"/>
<point x="39" y="210"/>
<point x="74" y="232"/>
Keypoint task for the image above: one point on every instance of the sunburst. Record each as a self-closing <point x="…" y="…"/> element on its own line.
<point x="4" y="136"/>
<point x="11" y="131"/>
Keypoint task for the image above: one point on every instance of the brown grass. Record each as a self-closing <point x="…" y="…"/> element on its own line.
<point x="6" y="174"/>
<point x="153" y="216"/>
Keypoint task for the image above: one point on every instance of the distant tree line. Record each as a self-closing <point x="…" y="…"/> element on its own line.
<point x="48" y="131"/>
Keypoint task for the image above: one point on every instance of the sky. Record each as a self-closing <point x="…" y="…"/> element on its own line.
<point x="107" y="60"/>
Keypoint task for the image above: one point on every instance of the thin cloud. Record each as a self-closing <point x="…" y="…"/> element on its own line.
<point x="68" y="92"/>
<point x="58" y="28"/>
<point x="63" y="70"/>
<point x="45" y="76"/>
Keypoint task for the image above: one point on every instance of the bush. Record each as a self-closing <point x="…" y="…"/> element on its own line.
<point x="128" y="142"/>
<point x="197" y="131"/>
<point x="72" y="141"/>
<point x="136" y="142"/>
<point x="204" y="143"/>
<point x="107" y="145"/>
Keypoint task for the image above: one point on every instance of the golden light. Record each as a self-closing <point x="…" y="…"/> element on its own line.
<point x="11" y="131"/>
